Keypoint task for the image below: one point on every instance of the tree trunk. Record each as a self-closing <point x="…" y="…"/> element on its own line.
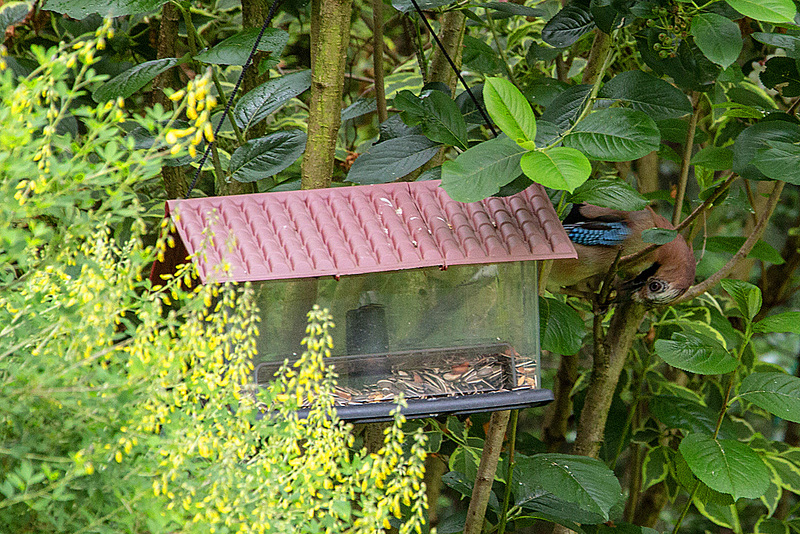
<point x="329" y="38"/>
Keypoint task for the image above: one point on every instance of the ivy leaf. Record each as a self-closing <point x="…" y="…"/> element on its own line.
<point x="746" y="296"/>
<point x="609" y="193"/>
<point x="571" y="23"/>
<point x="777" y="11"/>
<point x="482" y="170"/>
<point x="644" y="92"/>
<point x="437" y="116"/>
<point x="387" y="161"/>
<point x="696" y="354"/>
<point x="267" y="156"/>
<point x="236" y="49"/>
<point x="719" y="38"/>
<point x="778" y="393"/>
<point x="786" y="322"/>
<point x="557" y="168"/>
<point x="562" y="329"/>
<point x="615" y="134"/>
<point x="126" y="83"/>
<point x="726" y="465"/>
<point x="510" y="110"/>
<point x="268" y="97"/>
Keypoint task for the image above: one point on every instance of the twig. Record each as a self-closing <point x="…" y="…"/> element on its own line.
<point x="686" y="160"/>
<point x="377" y="58"/>
<point x="744" y="250"/>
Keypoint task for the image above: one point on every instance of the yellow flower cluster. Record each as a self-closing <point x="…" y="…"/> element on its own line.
<point x="199" y="104"/>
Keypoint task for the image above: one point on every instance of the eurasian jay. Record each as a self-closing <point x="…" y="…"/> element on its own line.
<point x="598" y="233"/>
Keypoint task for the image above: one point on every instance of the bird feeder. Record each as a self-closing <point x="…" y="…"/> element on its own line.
<point x="432" y="298"/>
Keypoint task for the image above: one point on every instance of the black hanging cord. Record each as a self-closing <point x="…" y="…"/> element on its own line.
<point x="247" y="64"/>
<point x="478" y="105"/>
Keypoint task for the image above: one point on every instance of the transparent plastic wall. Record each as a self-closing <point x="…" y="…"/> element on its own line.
<point x="409" y="312"/>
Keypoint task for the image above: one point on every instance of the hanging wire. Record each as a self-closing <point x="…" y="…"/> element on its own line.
<point x="478" y="105"/>
<point x="247" y="64"/>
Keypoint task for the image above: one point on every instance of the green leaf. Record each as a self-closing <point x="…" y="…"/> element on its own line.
<point x="766" y="525"/>
<point x="387" y="161"/>
<point x="746" y="296"/>
<point x="615" y="134"/>
<point x="571" y="23"/>
<point x="684" y="414"/>
<point x="359" y="108"/>
<point x="514" y="9"/>
<point x="726" y="465"/>
<point x="567" y="106"/>
<point x="778" y="155"/>
<point x="719" y="38"/>
<point x="714" y="157"/>
<point x="696" y="354"/>
<point x="405" y="6"/>
<point x="437" y="116"/>
<point x="644" y="92"/>
<point x="126" y="83"/>
<point x="268" y="97"/>
<point x="778" y="393"/>
<point x="659" y="236"/>
<point x="80" y="9"/>
<point x="562" y="329"/>
<point x="236" y="49"/>
<point x="609" y="193"/>
<point x="510" y="110"/>
<point x="689" y="68"/>
<point x="586" y="482"/>
<point x="786" y="322"/>
<point x="731" y="244"/>
<point x="482" y="170"/>
<point x="557" y="168"/>
<point x="480" y="57"/>
<point x="790" y="43"/>
<point x="782" y="75"/>
<point x="765" y="10"/>
<point x="12" y="13"/>
<point x="788" y="472"/>
<point x="655" y="467"/>
<point x="267" y="156"/>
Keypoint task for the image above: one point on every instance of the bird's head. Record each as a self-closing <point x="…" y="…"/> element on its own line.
<point x="668" y="277"/>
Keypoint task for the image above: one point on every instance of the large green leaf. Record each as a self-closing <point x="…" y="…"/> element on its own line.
<point x="731" y="244"/>
<point x="783" y="322"/>
<point x="567" y="106"/>
<point x="256" y="105"/>
<point x="759" y="139"/>
<point x="746" y="296"/>
<point x="437" y="116"/>
<point x="778" y="393"/>
<point x="482" y="170"/>
<point x="726" y="465"/>
<point x="586" y="482"/>
<point x="686" y="414"/>
<point x="267" y="156"/>
<point x="236" y="49"/>
<point x="80" y="9"/>
<point x="571" y="23"/>
<point x="654" y="96"/>
<point x="765" y="10"/>
<point x="689" y="68"/>
<point x="392" y="159"/>
<point x="696" y="354"/>
<point x="510" y="110"/>
<point x="405" y="6"/>
<point x="714" y="157"/>
<point x="557" y="168"/>
<point x="562" y="329"/>
<point x="780" y="160"/>
<point x="790" y="43"/>
<point x="480" y="57"/>
<point x="126" y="83"/>
<point x="782" y="75"/>
<point x="719" y="38"/>
<point x="615" y="134"/>
<point x="13" y="12"/>
<point x="609" y="193"/>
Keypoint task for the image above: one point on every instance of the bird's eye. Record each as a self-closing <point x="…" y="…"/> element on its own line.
<point x="656" y="286"/>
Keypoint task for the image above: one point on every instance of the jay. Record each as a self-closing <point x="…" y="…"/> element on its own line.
<point x="599" y="233"/>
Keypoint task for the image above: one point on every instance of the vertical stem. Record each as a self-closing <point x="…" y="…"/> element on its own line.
<point x="500" y="48"/>
<point x="486" y="470"/>
<point x="329" y="51"/>
<point x="687" y="157"/>
<point x="377" y="58"/>
<point x="451" y="35"/>
<point x="510" y="474"/>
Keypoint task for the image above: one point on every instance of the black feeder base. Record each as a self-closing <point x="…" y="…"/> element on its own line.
<point x="420" y="408"/>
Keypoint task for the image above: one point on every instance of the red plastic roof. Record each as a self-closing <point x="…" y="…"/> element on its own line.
<point x="362" y="229"/>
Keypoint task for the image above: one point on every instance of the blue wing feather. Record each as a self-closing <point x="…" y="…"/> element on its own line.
<point x="598" y="234"/>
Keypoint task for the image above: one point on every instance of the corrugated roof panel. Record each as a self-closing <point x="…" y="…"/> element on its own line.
<point x="360" y="229"/>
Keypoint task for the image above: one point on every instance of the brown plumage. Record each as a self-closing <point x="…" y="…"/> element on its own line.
<point x="598" y="233"/>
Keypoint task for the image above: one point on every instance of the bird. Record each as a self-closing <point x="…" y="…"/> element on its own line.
<point x="598" y="234"/>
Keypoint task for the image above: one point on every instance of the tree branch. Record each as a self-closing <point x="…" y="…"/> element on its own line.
<point x="486" y="470"/>
<point x="686" y="160"/>
<point x="747" y="246"/>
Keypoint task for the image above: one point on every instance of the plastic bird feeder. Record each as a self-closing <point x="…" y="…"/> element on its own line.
<point x="432" y="298"/>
